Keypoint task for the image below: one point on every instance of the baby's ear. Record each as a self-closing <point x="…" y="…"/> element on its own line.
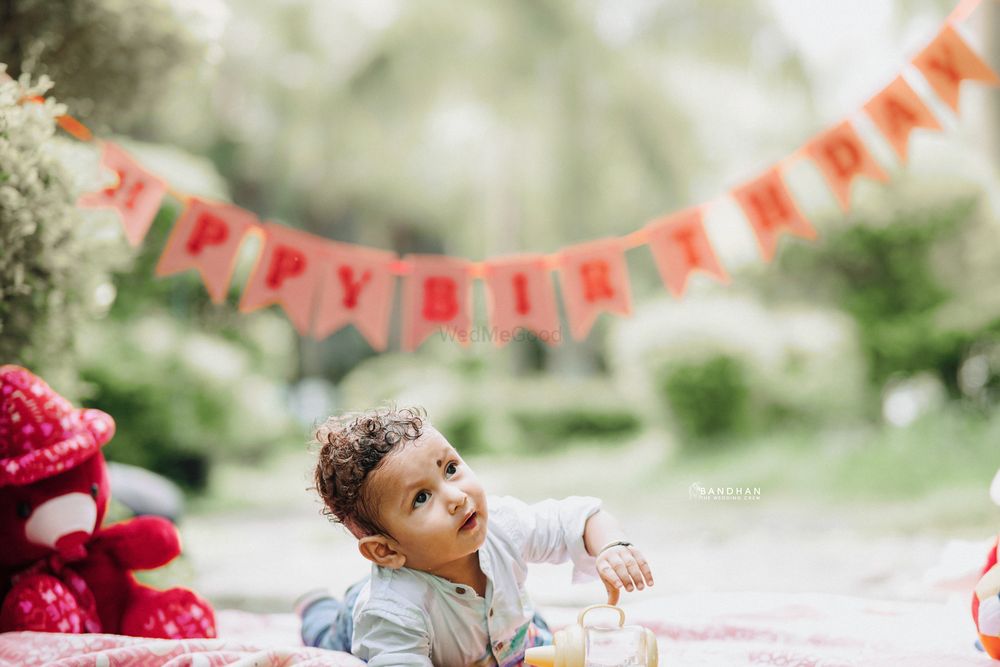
<point x="381" y="551"/>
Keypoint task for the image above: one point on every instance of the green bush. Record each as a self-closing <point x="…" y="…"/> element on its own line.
<point x="708" y="398"/>
<point x="53" y="260"/>
<point x="112" y="61"/>
<point x="182" y="399"/>
<point x="549" y="429"/>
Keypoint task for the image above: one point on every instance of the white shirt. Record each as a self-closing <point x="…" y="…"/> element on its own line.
<point x="408" y="618"/>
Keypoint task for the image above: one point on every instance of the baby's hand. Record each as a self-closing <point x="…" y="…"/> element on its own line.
<point x="625" y="567"/>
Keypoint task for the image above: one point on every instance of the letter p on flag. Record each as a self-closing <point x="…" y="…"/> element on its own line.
<point x="207" y="237"/>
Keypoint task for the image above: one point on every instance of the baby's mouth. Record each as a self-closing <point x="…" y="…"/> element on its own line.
<point x="470" y="522"/>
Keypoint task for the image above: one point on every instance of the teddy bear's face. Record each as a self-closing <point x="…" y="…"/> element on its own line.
<point x="57" y="514"/>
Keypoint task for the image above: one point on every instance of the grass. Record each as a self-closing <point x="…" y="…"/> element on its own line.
<point x="931" y="475"/>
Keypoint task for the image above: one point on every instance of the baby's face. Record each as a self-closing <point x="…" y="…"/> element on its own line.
<point x="430" y="502"/>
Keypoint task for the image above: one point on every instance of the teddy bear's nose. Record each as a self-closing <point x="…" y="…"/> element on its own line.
<point x="60" y="518"/>
<point x="70" y="547"/>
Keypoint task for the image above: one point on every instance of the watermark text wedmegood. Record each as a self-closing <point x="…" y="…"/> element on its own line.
<point x="483" y="334"/>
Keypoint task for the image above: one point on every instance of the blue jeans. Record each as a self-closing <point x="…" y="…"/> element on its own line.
<point x="329" y="623"/>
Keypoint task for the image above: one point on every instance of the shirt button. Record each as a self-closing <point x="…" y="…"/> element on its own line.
<point x="460" y="590"/>
<point x="498" y="646"/>
<point x="491" y="613"/>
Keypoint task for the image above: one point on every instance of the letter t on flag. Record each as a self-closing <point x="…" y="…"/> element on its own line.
<point x="207" y="237"/>
<point x="436" y="296"/>
<point x="680" y="246"/>
<point x="770" y="209"/>
<point x="287" y="272"/>
<point x="947" y="61"/>
<point x="136" y="197"/>
<point x="519" y="294"/>
<point x="594" y="279"/>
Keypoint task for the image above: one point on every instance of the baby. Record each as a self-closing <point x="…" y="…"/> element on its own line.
<point x="448" y="564"/>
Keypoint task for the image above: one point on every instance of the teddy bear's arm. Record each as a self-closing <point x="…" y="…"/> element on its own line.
<point x="142" y="543"/>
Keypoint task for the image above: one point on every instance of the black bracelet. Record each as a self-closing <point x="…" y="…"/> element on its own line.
<point x="616" y="543"/>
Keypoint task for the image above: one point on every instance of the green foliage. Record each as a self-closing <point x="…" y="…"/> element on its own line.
<point x="111" y="60"/>
<point x="183" y="399"/>
<point x="709" y="398"/>
<point x="481" y="410"/>
<point x="552" y="428"/>
<point x="884" y="275"/>
<point x="51" y="260"/>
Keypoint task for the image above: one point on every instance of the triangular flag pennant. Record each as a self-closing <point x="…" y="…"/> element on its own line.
<point x="287" y="272"/>
<point x="207" y="237"/>
<point x="680" y="246"/>
<point x="841" y="156"/>
<point x="356" y="287"/>
<point x="770" y="209"/>
<point x="947" y="61"/>
<point x="519" y="293"/>
<point x="897" y="110"/>
<point x="436" y="295"/>
<point x="594" y="278"/>
<point x="136" y="197"/>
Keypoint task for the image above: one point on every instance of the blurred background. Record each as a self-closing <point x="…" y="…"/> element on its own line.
<point x="853" y="381"/>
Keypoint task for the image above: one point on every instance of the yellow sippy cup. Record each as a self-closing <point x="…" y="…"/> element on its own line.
<point x="596" y="646"/>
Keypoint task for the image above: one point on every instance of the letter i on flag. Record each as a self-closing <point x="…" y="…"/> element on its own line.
<point x="897" y="111"/>
<point x="519" y="294"/>
<point x="136" y="196"/>
<point x="680" y="246"/>
<point x="287" y="272"/>
<point x="594" y="279"/>
<point x="436" y="296"/>
<point x="947" y="61"/>
<point x="770" y="209"/>
<point x="207" y="237"/>
<point x="356" y="286"/>
<point x="841" y="156"/>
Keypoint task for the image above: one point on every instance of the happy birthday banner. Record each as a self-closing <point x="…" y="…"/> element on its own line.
<point x="325" y="285"/>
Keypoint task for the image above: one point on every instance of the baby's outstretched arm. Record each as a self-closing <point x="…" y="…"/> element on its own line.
<point x="619" y="563"/>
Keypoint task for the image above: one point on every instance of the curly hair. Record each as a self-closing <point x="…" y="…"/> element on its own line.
<point x="351" y="447"/>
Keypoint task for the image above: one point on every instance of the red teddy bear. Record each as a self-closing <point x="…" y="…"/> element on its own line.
<point x="60" y="570"/>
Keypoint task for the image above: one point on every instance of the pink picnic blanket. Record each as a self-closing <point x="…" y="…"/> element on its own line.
<point x="696" y="630"/>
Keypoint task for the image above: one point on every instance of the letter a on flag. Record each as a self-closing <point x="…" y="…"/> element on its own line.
<point x="136" y="196"/>
<point x="594" y="279"/>
<point x="207" y="237"/>
<point x="897" y="111"/>
<point x="519" y="293"/>
<point x="947" y="61"/>
<point x="436" y="296"/>
<point x="356" y="285"/>
<point x="287" y="273"/>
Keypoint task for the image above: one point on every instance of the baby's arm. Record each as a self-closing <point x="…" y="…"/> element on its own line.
<point x="619" y="564"/>
<point x="386" y="639"/>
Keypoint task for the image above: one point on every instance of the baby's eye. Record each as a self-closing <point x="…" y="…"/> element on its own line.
<point x="421" y="498"/>
<point x="451" y="468"/>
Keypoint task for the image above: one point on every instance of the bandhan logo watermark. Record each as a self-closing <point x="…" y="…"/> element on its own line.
<point x="737" y="493"/>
